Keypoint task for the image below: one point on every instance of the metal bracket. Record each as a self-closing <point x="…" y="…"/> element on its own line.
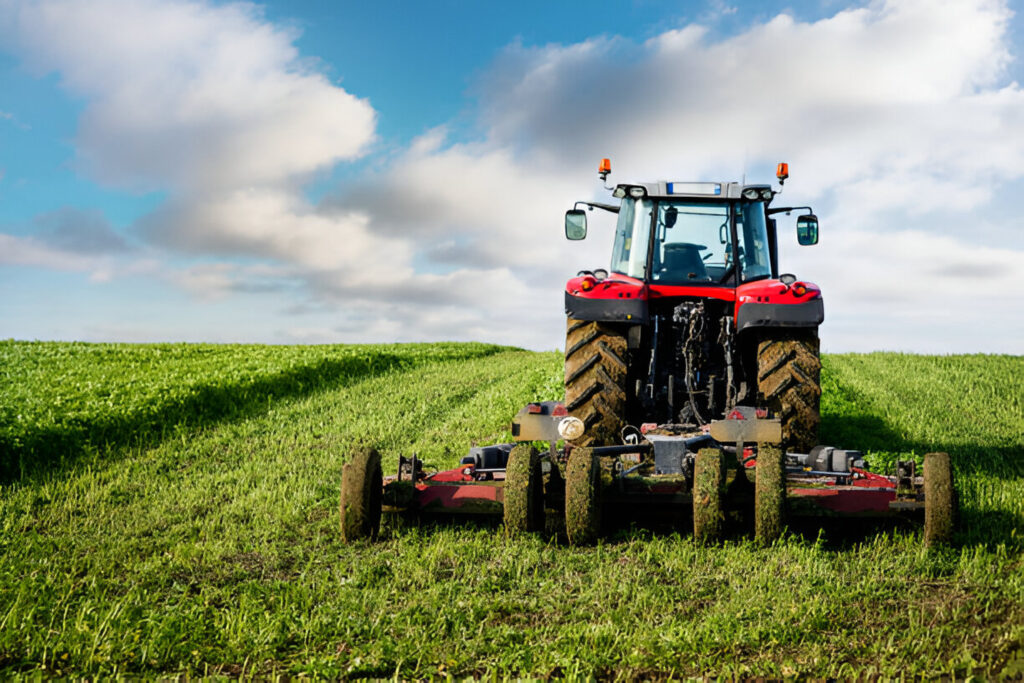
<point x="743" y="430"/>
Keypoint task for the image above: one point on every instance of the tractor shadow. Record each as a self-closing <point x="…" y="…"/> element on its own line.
<point x="52" y="450"/>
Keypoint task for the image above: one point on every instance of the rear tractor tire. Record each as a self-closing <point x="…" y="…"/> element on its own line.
<point x="595" y="380"/>
<point x="583" y="497"/>
<point x="939" y="499"/>
<point x="362" y="488"/>
<point x="524" y="491"/>
<point x="789" y="381"/>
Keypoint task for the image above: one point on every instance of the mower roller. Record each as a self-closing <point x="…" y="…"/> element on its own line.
<point x="692" y="386"/>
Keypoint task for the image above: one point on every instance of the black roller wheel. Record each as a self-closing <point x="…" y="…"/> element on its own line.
<point x="769" y="494"/>
<point x="595" y="380"/>
<point x="361" y="492"/>
<point x="939" y="499"/>
<point x="583" y="497"/>
<point x="789" y="381"/>
<point x="524" y="491"/>
<point x="708" y="495"/>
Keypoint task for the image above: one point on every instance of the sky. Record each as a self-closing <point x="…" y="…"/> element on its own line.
<point x="314" y="172"/>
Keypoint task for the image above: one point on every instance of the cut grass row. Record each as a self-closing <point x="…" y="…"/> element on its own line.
<point x="213" y="546"/>
<point x="60" y="401"/>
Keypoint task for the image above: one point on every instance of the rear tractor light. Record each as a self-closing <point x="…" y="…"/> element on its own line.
<point x="799" y="289"/>
<point x="587" y="284"/>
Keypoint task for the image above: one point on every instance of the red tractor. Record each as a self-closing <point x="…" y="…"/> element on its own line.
<point x="694" y="318"/>
<point x="691" y="394"/>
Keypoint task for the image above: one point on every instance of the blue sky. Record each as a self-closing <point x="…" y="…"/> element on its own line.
<point x="316" y="172"/>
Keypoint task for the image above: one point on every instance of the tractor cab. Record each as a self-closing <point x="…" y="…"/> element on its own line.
<point x="691" y="238"/>
<point x="707" y="234"/>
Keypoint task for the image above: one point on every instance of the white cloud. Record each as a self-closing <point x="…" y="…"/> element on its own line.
<point x="897" y="118"/>
<point x="213" y="106"/>
<point x="911" y="290"/>
<point x="188" y="95"/>
<point x="275" y="224"/>
<point x="885" y="125"/>
<point x="877" y="92"/>
<point x="26" y="251"/>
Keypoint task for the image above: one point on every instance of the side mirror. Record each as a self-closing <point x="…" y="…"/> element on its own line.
<point x="671" y="215"/>
<point x="575" y="224"/>
<point x="807" y="229"/>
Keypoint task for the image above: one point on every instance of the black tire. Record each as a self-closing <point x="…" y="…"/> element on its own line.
<point x="524" y="491"/>
<point x="769" y="494"/>
<point x="595" y="380"/>
<point x="708" y="495"/>
<point x="789" y="381"/>
<point x="362" y="486"/>
<point x="939" y="499"/>
<point x="583" y="497"/>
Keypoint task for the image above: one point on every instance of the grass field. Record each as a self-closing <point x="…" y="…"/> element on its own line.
<point x="172" y="509"/>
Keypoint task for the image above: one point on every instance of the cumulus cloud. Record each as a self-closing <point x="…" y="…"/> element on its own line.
<point x="899" y="140"/>
<point x="189" y="95"/>
<point x="25" y="251"/>
<point x="276" y="224"/>
<point x="80" y="231"/>
<point x="873" y="100"/>
<point x="470" y="204"/>
<point x="914" y="290"/>
<point x="897" y="118"/>
<point x="213" y="106"/>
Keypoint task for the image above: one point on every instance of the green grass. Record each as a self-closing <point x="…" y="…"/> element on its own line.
<point x="173" y="510"/>
<point x="60" y="402"/>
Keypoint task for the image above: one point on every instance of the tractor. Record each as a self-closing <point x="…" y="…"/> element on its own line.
<point x="692" y="390"/>
<point x="694" y="318"/>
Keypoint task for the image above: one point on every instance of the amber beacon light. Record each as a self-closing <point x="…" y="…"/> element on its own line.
<point x="782" y="172"/>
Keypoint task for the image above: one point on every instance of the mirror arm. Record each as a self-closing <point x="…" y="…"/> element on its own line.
<point x="787" y="209"/>
<point x="607" y="207"/>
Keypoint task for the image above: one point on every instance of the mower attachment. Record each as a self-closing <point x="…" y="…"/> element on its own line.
<point x="733" y="470"/>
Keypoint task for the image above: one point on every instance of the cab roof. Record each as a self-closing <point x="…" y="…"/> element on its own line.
<point x="704" y="190"/>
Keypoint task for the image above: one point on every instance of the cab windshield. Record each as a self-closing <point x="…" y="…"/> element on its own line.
<point x="692" y="242"/>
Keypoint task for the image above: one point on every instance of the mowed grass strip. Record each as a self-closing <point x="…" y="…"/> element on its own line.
<point x="213" y="547"/>
<point x="60" y="402"/>
<point x="894" y="405"/>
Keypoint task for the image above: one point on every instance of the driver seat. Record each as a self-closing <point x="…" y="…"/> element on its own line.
<point x="683" y="261"/>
